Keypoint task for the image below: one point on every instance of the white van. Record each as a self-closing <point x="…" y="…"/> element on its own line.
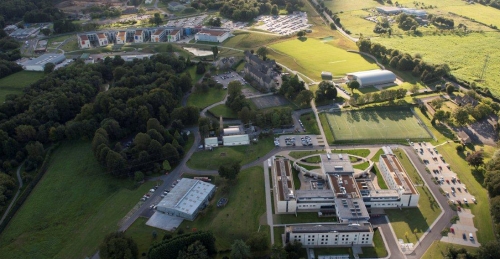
<point x="471" y="237"/>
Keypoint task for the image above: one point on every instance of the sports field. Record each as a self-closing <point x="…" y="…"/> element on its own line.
<point x="375" y="124"/>
<point x="313" y="56"/>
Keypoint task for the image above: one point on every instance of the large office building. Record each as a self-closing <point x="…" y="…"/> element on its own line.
<point x="372" y="77"/>
<point x="283" y="182"/>
<point x="187" y="199"/>
<point x="212" y="35"/>
<point x="330" y="234"/>
<point x="38" y="64"/>
<point x="397" y="179"/>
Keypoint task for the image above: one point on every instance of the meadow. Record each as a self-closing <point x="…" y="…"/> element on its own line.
<point x="202" y="100"/>
<point x="71" y="209"/>
<point x="15" y="83"/>
<point x="462" y="53"/>
<point x="247" y="40"/>
<point x="375" y="124"/>
<point x="312" y="56"/>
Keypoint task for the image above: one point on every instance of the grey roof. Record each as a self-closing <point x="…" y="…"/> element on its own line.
<point x="338" y="163"/>
<point x="44" y="59"/>
<point x="374" y="77"/>
<point x="211" y="141"/>
<point x="329" y="228"/>
<point x="314" y="194"/>
<point x="352" y="209"/>
<point x="236" y="138"/>
<point x="174" y="4"/>
<point x="187" y="195"/>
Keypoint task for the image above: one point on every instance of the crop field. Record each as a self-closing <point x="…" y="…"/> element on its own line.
<point x="375" y="124"/>
<point x="15" y="83"/>
<point x="313" y="56"/>
<point x="462" y="53"/>
<point x="484" y="14"/>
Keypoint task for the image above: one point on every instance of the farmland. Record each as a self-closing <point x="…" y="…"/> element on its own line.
<point x="15" y="83"/>
<point x="313" y="56"/>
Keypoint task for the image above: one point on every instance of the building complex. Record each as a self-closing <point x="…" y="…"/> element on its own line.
<point x="260" y="71"/>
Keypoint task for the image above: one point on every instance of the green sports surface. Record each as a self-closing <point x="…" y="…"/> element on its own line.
<point x="374" y="124"/>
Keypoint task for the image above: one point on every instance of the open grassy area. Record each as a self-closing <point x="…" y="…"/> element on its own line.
<point x="405" y="221"/>
<point x="194" y="77"/>
<point x="380" y="178"/>
<point x="299" y="154"/>
<point x="408" y="166"/>
<point x="362" y="166"/>
<point x="240" y="217"/>
<point x="71" y="209"/>
<point x="484" y="14"/>
<point x="462" y="53"/>
<point x="224" y="111"/>
<point x="378" y="250"/>
<point x="326" y="128"/>
<point x="334" y="251"/>
<point x="373" y="124"/>
<point x="211" y="160"/>
<point x="440" y="249"/>
<point x="309" y="167"/>
<point x="312" y="56"/>
<point x="15" y="83"/>
<point x="362" y="152"/>
<point x="313" y="159"/>
<point x="202" y="100"/>
<point x="249" y="40"/>
<point x="143" y="235"/>
<point x="310" y="123"/>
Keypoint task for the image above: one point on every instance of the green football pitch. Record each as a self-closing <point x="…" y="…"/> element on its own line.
<point x="376" y="124"/>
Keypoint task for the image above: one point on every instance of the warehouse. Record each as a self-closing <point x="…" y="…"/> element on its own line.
<point x="211" y="143"/>
<point x="212" y="35"/>
<point x="372" y="77"/>
<point x="236" y="140"/>
<point x="187" y="199"/>
<point x="38" y="64"/>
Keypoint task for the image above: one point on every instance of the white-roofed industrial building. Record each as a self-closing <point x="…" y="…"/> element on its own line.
<point x="38" y="64"/>
<point x="187" y="198"/>
<point x="234" y="130"/>
<point x="372" y="77"/>
<point x="211" y="142"/>
<point x="236" y="140"/>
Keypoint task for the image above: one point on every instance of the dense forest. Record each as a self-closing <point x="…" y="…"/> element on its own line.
<point x="31" y="10"/>
<point x="68" y="104"/>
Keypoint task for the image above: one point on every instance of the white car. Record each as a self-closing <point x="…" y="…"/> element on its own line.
<point x="474" y="200"/>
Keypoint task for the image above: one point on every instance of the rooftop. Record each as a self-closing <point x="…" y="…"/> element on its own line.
<point x="44" y="59"/>
<point x="213" y="32"/>
<point x="336" y="163"/>
<point x="138" y="32"/>
<point x="187" y="195"/>
<point x="351" y="209"/>
<point x="101" y="35"/>
<point x="329" y="228"/>
<point x="398" y="173"/>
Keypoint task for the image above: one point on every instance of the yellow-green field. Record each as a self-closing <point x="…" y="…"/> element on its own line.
<point x="484" y="14"/>
<point x="313" y="56"/>
<point x="463" y="54"/>
<point x="15" y="83"/>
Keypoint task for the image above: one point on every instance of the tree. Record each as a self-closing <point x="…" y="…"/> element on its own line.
<point x="326" y="91"/>
<point x="354" y="84"/>
<point x="262" y="51"/>
<point x="245" y="115"/>
<point x="304" y="97"/>
<point x="118" y="246"/>
<point x="489" y="250"/>
<point x="274" y="10"/>
<point x="440" y="115"/>
<point x="301" y="34"/>
<point x="475" y="159"/>
<point x="278" y="252"/>
<point x="461" y="116"/>
<point x="258" y="241"/>
<point x="215" y="51"/>
<point x="139" y="176"/>
<point x="240" y="250"/>
<point x="48" y="68"/>
<point x="156" y="19"/>
<point x="459" y="148"/>
<point x="194" y="251"/>
<point x="230" y="171"/>
<point x="450" y="88"/>
<point x="200" y="68"/>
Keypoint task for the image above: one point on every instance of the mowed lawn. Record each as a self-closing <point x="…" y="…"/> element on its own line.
<point x="485" y="14"/>
<point x="248" y="40"/>
<point x="15" y="83"/>
<point x="211" y="160"/>
<point x="71" y="209"/>
<point x="313" y="56"/>
<point x="241" y="216"/>
<point x="440" y="249"/>
<point x="202" y="100"/>
<point x="375" y="124"/>
<point x="224" y="111"/>
<point x="462" y="53"/>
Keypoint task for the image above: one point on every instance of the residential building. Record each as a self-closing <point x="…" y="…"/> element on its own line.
<point x="83" y="41"/>
<point x="175" y="6"/>
<point x="212" y="35"/>
<point x="330" y="234"/>
<point x="158" y="35"/>
<point x="259" y="70"/>
<point x="121" y="37"/>
<point x="102" y="39"/>
<point x="38" y="64"/>
<point x="174" y="35"/>
<point x="397" y="179"/>
<point x="139" y="36"/>
<point x="187" y="199"/>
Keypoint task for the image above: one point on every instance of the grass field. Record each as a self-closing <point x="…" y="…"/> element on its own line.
<point x="485" y="14"/>
<point x="378" y="250"/>
<point x="71" y="209"/>
<point x="299" y="154"/>
<point x="240" y="217"/>
<point x="202" y="100"/>
<point x="248" y="40"/>
<point x="405" y="221"/>
<point x="440" y="249"/>
<point x="310" y="123"/>
<point x="313" y="56"/>
<point x="211" y="160"/>
<point x="462" y="53"/>
<point x="143" y="234"/>
<point x="224" y="111"/>
<point x="375" y="124"/>
<point x="15" y="83"/>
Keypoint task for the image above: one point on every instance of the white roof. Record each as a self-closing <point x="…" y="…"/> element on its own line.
<point x="231" y="130"/>
<point x="44" y="59"/>
<point x="187" y="195"/>
<point x="236" y="139"/>
<point x="211" y="141"/>
<point x="373" y="77"/>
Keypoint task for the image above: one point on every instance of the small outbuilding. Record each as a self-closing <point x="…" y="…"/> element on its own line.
<point x="211" y="142"/>
<point x="464" y="137"/>
<point x="236" y="140"/>
<point x="372" y="77"/>
<point x="326" y="75"/>
<point x="232" y="131"/>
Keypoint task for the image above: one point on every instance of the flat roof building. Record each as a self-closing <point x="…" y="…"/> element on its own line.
<point x="236" y="140"/>
<point x="372" y="77"/>
<point x="330" y="234"/>
<point x="38" y="64"/>
<point x="397" y="179"/>
<point x="211" y="142"/>
<point x="388" y="9"/>
<point x="232" y="131"/>
<point x="326" y="75"/>
<point x="284" y="187"/>
<point x="212" y="35"/>
<point x="187" y="198"/>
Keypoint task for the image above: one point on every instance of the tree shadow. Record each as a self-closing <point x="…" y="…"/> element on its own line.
<point x="303" y="39"/>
